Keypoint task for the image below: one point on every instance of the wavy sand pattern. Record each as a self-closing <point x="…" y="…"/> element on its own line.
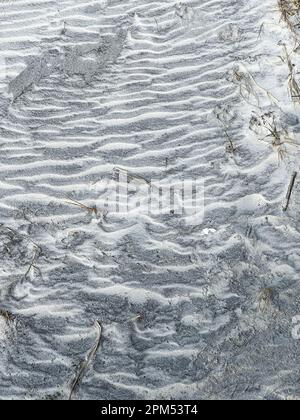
<point x="158" y="88"/>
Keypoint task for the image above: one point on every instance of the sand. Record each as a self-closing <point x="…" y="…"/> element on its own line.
<point x="199" y="308"/>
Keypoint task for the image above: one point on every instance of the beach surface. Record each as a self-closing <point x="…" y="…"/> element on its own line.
<point x="98" y="304"/>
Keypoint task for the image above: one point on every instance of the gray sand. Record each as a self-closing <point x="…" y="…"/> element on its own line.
<point x="188" y="311"/>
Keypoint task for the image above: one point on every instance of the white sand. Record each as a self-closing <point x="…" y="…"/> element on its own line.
<point x="153" y="88"/>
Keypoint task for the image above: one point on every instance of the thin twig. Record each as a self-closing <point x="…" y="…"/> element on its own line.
<point x="290" y="190"/>
<point x="92" y="210"/>
<point x="130" y="176"/>
<point x="85" y="364"/>
<point x="33" y="261"/>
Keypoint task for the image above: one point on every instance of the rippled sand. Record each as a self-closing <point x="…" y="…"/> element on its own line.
<point x="165" y="91"/>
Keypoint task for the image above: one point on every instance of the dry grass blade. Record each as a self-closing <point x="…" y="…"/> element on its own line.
<point x="86" y="363"/>
<point x="250" y="89"/>
<point x="32" y="265"/>
<point x="230" y="147"/>
<point x="271" y="131"/>
<point x="277" y="141"/>
<point x="130" y="177"/>
<point x="91" y="210"/>
<point x="294" y="87"/>
<point x="290" y="190"/>
<point x="290" y="10"/>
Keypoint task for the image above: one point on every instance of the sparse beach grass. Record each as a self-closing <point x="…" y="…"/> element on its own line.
<point x="289" y="9"/>
<point x="269" y="130"/>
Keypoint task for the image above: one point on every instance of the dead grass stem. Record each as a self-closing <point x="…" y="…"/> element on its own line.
<point x="32" y="264"/>
<point x="290" y="11"/>
<point x="88" y="360"/>
<point x="290" y="191"/>
<point x="293" y="85"/>
<point x="90" y="210"/>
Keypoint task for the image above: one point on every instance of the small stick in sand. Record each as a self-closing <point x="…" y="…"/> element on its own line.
<point x="91" y="210"/>
<point x="85" y="364"/>
<point x="129" y="176"/>
<point x="290" y="190"/>
<point x="34" y="260"/>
